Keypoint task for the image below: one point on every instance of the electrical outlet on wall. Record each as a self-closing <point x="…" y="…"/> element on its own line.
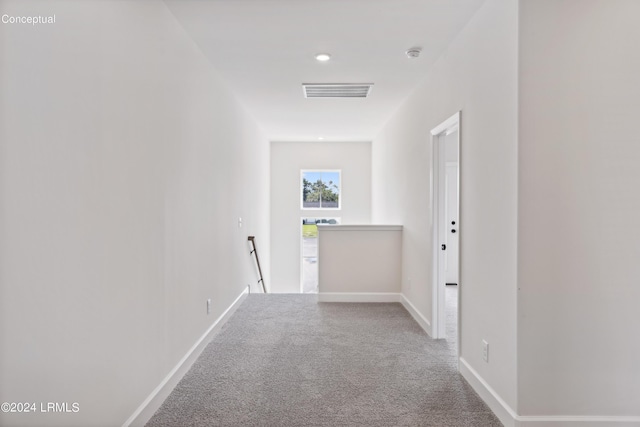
<point x="485" y="351"/>
<point x="209" y="306"/>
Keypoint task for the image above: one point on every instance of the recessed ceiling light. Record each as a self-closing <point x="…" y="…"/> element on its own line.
<point x="323" y="57"/>
<point x="320" y="138"/>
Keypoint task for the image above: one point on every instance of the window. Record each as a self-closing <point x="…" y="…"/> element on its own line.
<point x="320" y="189"/>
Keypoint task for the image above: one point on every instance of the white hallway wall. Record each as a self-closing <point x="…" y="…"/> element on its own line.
<point x="477" y="74"/>
<point x="287" y="160"/>
<point x="548" y="92"/>
<point x="124" y="165"/>
<point x="579" y="202"/>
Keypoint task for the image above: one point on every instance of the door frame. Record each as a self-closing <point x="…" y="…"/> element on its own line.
<point x="438" y="227"/>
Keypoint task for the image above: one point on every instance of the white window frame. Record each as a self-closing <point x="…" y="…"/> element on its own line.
<point x="302" y="172"/>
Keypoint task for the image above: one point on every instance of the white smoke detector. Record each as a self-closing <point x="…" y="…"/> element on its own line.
<point x="414" y="52"/>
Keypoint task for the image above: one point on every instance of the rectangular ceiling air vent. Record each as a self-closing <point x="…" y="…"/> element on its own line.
<point x="336" y="90"/>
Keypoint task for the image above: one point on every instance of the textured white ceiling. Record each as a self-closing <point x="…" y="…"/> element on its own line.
<point x="265" y="49"/>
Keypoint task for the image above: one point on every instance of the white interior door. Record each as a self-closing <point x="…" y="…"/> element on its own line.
<point x="451" y="222"/>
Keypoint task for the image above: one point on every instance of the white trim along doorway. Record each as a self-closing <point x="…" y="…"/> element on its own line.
<point x="445" y="193"/>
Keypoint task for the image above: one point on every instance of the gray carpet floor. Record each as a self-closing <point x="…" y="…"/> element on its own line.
<point x="287" y="360"/>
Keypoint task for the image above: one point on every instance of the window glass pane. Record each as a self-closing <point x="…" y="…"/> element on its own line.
<point x="331" y="190"/>
<point x="310" y="195"/>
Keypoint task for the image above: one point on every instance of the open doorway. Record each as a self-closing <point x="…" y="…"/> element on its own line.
<point x="309" y="250"/>
<point x="446" y="228"/>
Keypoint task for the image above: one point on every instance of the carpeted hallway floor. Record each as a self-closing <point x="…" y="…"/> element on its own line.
<point x="286" y="360"/>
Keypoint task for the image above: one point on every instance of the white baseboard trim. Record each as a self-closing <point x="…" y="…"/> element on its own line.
<point x="509" y="418"/>
<point x="358" y="297"/>
<point x="145" y="411"/>
<point x="418" y="317"/>
<point x="577" y="421"/>
<point x="503" y="411"/>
